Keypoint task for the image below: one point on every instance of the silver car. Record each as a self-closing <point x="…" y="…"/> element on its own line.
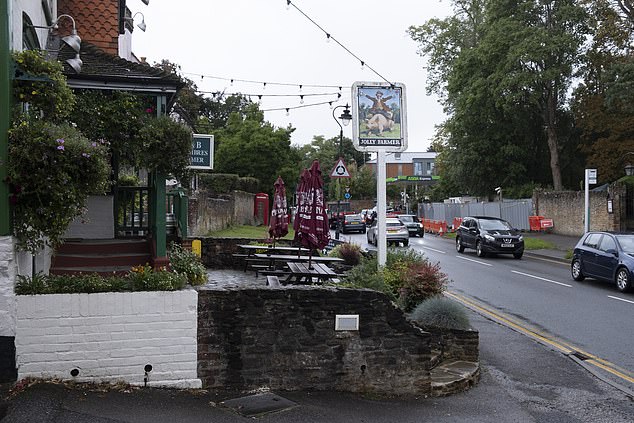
<point x="396" y="232"/>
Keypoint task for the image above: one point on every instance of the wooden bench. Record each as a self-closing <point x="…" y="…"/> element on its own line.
<point x="273" y="281"/>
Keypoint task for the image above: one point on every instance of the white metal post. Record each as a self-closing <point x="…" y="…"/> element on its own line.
<point x="586" y="223"/>
<point x="381" y="208"/>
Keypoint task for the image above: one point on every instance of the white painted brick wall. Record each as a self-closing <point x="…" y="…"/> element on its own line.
<point x="109" y="337"/>
<point x="8" y="273"/>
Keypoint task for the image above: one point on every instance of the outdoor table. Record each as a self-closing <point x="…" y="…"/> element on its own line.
<point x="273" y="258"/>
<point x="251" y="249"/>
<point x="301" y="273"/>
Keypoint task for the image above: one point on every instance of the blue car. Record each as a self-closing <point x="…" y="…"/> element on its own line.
<point x="606" y="256"/>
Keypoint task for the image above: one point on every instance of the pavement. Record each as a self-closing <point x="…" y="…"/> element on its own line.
<point x="563" y="244"/>
<point x="522" y="380"/>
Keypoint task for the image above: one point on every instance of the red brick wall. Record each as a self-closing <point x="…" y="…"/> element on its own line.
<point x="97" y="21"/>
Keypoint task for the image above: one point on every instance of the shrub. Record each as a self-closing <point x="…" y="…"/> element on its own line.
<point x="248" y="184"/>
<point x="52" y="171"/>
<point x="350" y="253"/>
<point x="141" y="278"/>
<point x="219" y="183"/>
<point x="441" y="312"/>
<point x="186" y="262"/>
<point x="165" y="146"/>
<point x="421" y="281"/>
<point x="365" y="275"/>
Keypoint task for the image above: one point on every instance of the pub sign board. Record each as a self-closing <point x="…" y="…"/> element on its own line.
<point x="379" y="118"/>
<point x="202" y="156"/>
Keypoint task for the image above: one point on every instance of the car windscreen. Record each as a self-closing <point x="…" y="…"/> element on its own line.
<point x="406" y="219"/>
<point x="626" y="242"/>
<point x="353" y="218"/>
<point x="494" y="225"/>
<point x="393" y="223"/>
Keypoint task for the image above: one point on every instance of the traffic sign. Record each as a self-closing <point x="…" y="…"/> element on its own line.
<point x="340" y="170"/>
<point x="347" y="196"/>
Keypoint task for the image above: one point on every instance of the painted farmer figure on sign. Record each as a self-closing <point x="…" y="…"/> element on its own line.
<point x="379" y="106"/>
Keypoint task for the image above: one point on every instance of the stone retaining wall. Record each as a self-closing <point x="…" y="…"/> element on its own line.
<point x="109" y="337"/>
<point x="455" y="344"/>
<point x="218" y="252"/>
<point x="286" y="339"/>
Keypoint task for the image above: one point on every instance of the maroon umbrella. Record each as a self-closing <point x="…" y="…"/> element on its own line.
<point x="312" y="223"/>
<point x="278" y="227"/>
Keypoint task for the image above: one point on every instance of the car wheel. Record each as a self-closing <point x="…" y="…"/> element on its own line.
<point x="575" y="269"/>
<point x="518" y="255"/>
<point x="459" y="246"/>
<point x="479" y="251"/>
<point x="406" y="243"/>
<point x="364" y="230"/>
<point x="623" y="282"/>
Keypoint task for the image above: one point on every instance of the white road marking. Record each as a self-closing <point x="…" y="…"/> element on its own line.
<point x="475" y="261"/>
<point x="433" y="249"/>
<point x="541" y="279"/>
<point x="621" y="299"/>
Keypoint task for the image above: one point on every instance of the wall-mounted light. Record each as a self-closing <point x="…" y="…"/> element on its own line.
<point x="142" y="26"/>
<point x="72" y="40"/>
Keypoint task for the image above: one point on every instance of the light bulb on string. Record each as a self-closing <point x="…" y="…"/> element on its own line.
<point x="288" y="4"/>
<point x="288" y="112"/>
<point x="300" y="88"/>
<point x="301" y="99"/>
<point x="264" y="86"/>
<point x="362" y="65"/>
<point x="330" y="104"/>
<point x="327" y="38"/>
<point x="231" y="83"/>
<point x="260" y="97"/>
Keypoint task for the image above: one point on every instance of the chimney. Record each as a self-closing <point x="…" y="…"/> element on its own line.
<point x="97" y="21"/>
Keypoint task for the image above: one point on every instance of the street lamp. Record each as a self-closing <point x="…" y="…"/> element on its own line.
<point x="345" y="117"/>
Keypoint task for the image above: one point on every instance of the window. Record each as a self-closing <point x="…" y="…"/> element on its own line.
<point x="397" y="156"/>
<point x="400" y="170"/>
<point x="29" y="36"/>
<point x="592" y="240"/>
<point x="418" y="168"/>
<point x="608" y="243"/>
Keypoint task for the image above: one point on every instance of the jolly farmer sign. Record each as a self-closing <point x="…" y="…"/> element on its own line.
<point x="202" y="156"/>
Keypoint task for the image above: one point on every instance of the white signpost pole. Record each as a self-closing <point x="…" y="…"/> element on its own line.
<point x="381" y="207"/>
<point x="591" y="178"/>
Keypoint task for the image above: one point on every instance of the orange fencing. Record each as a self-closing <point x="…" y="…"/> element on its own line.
<point x="434" y="226"/>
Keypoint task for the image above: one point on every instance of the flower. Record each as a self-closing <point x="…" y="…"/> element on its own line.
<point x="60" y="147"/>
<point x="60" y="141"/>
<point x="86" y="155"/>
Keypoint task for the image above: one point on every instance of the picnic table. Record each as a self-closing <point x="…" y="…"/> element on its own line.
<point x="273" y="259"/>
<point x="301" y="273"/>
<point x="251" y="249"/>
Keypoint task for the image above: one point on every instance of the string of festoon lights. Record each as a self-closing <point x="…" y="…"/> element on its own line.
<point x="301" y="95"/>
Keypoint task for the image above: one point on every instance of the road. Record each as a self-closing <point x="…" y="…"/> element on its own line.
<point x="590" y="317"/>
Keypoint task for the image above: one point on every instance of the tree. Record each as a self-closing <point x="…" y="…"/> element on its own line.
<point x="504" y="68"/>
<point x="249" y="146"/>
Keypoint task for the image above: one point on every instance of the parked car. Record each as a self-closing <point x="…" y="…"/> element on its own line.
<point x="396" y="232"/>
<point x="489" y="235"/>
<point x="414" y="226"/>
<point x="606" y="256"/>
<point x="352" y="223"/>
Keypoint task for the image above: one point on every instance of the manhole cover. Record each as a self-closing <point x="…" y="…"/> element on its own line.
<point x="258" y="404"/>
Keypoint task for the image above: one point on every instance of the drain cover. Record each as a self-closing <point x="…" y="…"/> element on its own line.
<point x="258" y="404"/>
<point x="581" y="356"/>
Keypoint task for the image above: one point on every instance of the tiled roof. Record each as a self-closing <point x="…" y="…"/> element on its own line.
<point x="102" y="67"/>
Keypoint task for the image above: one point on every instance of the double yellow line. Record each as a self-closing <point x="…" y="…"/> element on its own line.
<point x="541" y="337"/>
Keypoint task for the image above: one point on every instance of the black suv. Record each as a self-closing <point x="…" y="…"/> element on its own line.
<point x="489" y="235"/>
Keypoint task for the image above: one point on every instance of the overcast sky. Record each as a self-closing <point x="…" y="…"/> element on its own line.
<point x="264" y="41"/>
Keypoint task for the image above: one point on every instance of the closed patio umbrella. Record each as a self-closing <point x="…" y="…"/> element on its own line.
<point x="278" y="227"/>
<point x="311" y="224"/>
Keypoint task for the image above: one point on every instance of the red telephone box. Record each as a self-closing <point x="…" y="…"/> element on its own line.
<point x="261" y="208"/>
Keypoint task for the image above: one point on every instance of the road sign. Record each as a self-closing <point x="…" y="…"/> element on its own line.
<point x="340" y="170"/>
<point x="347" y="196"/>
<point x="347" y="189"/>
<point x="592" y="176"/>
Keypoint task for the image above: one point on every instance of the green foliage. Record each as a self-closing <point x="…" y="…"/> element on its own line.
<point x="350" y="253"/>
<point x="141" y="278"/>
<point x="52" y="96"/>
<point x="249" y="146"/>
<point x="166" y="146"/>
<point x="128" y="180"/>
<point x="441" y="312"/>
<point x="218" y="183"/>
<point x="186" y="262"/>
<point x="365" y="275"/>
<point x="53" y="169"/>
<point x="407" y="278"/>
<point x="248" y="184"/>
